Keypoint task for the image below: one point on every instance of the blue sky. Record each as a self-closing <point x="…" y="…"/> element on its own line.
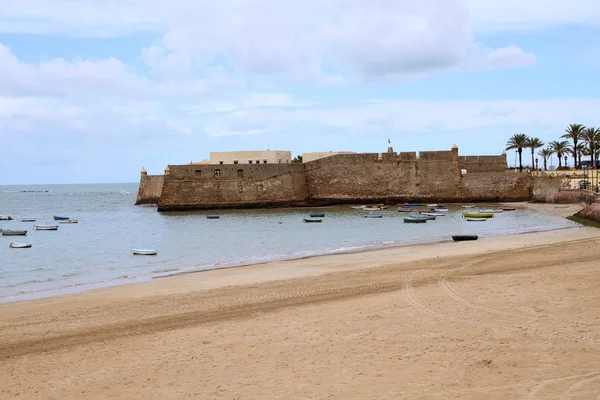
<point x="91" y="91"/>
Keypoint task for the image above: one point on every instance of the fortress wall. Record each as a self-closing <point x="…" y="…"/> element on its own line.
<point x="483" y="163"/>
<point x="546" y="186"/>
<point x="188" y="187"/>
<point x="502" y="186"/>
<point x="150" y="189"/>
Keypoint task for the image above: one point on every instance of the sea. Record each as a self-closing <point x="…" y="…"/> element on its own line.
<point x="97" y="251"/>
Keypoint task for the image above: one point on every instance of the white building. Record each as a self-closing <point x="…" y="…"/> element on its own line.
<point x="251" y="157"/>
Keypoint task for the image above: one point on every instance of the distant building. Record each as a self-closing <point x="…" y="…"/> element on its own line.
<point x="315" y="155"/>
<point x="251" y="157"/>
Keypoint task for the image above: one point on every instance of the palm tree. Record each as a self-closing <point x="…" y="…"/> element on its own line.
<point x="577" y="152"/>
<point x="559" y="148"/>
<point x="534" y="143"/>
<point x="574" y="132"/>
<point x="591" y="136"/>
<point x="517" y="141"/>
<point x="545" y="154"/>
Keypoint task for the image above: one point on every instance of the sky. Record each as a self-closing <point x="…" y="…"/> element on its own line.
<point x="91" y="91"/>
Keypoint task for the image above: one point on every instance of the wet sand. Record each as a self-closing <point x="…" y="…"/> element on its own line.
<point x="500" y="318"/>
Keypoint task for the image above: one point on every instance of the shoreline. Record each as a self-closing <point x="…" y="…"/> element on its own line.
<point x="562" y="211"/>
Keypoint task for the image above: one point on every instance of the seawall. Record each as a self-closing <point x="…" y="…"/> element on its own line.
<point x="150" y="189"/>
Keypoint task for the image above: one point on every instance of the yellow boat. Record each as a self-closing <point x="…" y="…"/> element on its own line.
<point x="478" y="215"/>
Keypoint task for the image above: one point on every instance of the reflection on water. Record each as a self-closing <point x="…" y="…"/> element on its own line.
<point x="97" y="251"/>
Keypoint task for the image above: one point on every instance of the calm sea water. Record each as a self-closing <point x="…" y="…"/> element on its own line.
<point x="97" y="251"/>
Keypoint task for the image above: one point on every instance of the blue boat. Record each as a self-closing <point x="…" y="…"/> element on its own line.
<point x="317" y="214"/>
<point x="56" y="218"/>
<point x="412" y="204"/>
<point x="415" y="220"/>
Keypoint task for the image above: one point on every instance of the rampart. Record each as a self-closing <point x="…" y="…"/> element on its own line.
<point x="150" y="189"/>
<point x="344" y="178"/>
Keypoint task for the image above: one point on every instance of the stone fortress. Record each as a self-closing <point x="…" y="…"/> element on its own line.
<point x="237" y="180"/>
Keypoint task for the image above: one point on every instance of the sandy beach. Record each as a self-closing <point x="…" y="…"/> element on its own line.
<point x="512" y="317"/>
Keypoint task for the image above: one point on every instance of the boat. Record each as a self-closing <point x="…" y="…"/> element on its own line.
<point x="431" y="213"/>
<point x="460" y="238"/>
<point x="357" y="207"/>
<point x="439" y="209"/>
<point x="212" y="217"/>
<point x="14" y="232"/>
<point x="372" y="215"/>
<point x="405" y="209"/>
<point x="415" y="220"/>
<point x="69" y="221"/>
<point x="311" y="220"/>
<point x="509" y="209"/>
<point x="45" y="227"/>
<point x="371" y="208"/>
<point x="428" y="217"/>
<point x="19" y="245"/>
<point x="473" y="219"/>
<point x="478" y="215"/>
<point x="412" y="204"/>
<point x="317" y="214"/>
<point x="144" y="252"/>
<point x="57" y="218"/>
<point x="5" y="218"/>
<point x="467" y="206"/>
<point x="493" y="211"/>
<point x="27" y="219"/>
<point x="432" y="205"/>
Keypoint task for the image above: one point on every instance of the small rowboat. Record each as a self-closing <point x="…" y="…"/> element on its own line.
<point x="493" y="211"/>
<point x="69" y="221"/>
<point x="57" y="218"/>
<point x="5" y="218"/>
<point x="212" y="217"/>
<point x="19" y="245"/>
<point x="415" y="220"/>
<point x="431" y="213"/>
<point x="467" y="206"/>
<point x="460" y="238"/>
<point x="317" y="214"/>
<point x="439" y="209"/>
<point x="12" y="232"/>
<point x="27" y="219"/>
<point x="432" y="205"/>
<point x="371" y="208"/>
<point x="405" y="209"/>
<point x="357" y="207"/>
<point x="476" y="219"/>
<point x="371" y="215"/>
<point x="412" y="204"/>
<point x="45" y="227"/>
<point x="478" y="215"/>
<point x="509" y="209"/>
<point x="312" y="220"/>
<point x="144" y="252"/>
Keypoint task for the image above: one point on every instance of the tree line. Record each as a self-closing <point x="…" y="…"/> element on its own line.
<point x="585" y="142"/>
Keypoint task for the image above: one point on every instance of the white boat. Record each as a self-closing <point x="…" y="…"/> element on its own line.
<point x="431" y="213"/>
<point x="474" y="219"/>
<point x="5" y="218"/>
<point x="490" y="211"/>
<point x="467" y="206"/>
<point x="19" y="245"/>
<point x="144" y="252"/>
<point x="432" y="205"/>
<point x="69" y="221"/>
<point x="45" y="227"/>
<point x="371" y="208"/>
<point x="357" y="207"/>
<point x="440" y="209"/>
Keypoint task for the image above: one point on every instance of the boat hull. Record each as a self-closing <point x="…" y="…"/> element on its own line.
<point x="461" y="238"/>
<point x="317" y="215"/>
<point x="374" y="216"/>
<point x="312" y="220"/>
<point x="57" y="218"/>
<point x="476" y="219"/>
<point x="478" y="215"/>
<point x="13" y="233"/>
<point x="142" y="252"/>
<point x="19" y="245"/>
<point x="69" y="221"/>
<point x="415" y="220"/>
<point x="45" y="227"/>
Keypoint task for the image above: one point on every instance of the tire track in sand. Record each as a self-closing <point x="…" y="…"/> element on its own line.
<point x="548" y="382"/>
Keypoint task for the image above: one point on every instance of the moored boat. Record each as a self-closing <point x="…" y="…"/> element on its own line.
<point x="317" y="214"/>
<point x="5" y="218"/>
<point x="212" y="217"/>
<point x="45" y="227"/>
<point x="405" y="209"/>
<point x="14" y="232"/>
<point x="492" y="211"/>
<point x="144" y="252"/>
<point x="478" y="215"/>
<point x="412" y="204"/>
<point x="57" y="218"/>
<point x="428" y="217"/>
<point x="69" y="221"/>
<point x="19" y="245"/>
<point x="357" y="207"/>
<point x="431" y="213"/>
<point x="372" y="215"/>
<point x="371" y="208"/>
<point x="473" y="219"/>
<point x="415" y="220"/>
<point x="439" y="209"/>
<point x="460" y="238"/>
<point x="27" y="219"/>
<point x="312" y="220"/>
<point x="468" y="206"/>
<point x="509" y="209"/>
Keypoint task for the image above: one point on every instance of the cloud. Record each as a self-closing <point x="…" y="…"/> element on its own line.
<point x="510" y="57"/>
